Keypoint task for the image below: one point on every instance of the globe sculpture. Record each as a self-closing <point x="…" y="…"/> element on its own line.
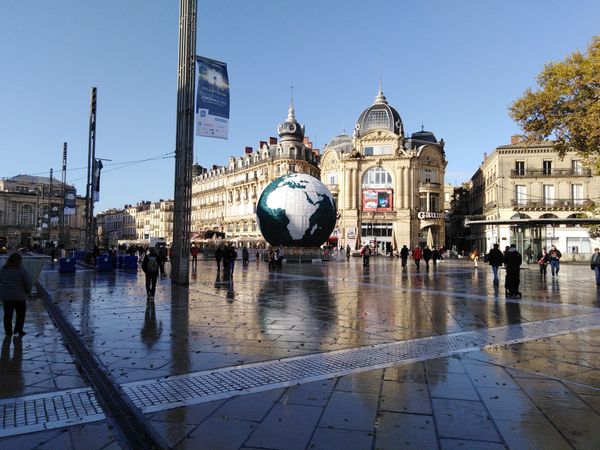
<point x="296" y="210"/>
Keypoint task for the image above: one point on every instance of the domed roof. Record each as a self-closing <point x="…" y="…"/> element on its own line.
<point x="341" y="144"/>
<point x="291" y="130"/>
<point x="379" y="116"/>
<point x="426" y="136"/>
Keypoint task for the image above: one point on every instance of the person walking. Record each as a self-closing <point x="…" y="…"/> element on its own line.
<point x="495" y="259"/>
<point x="404" y="255"/>
<point x="348" y="252"/>
<point x="219" y="257"/>
<point x="475" y="256"/>
<point x="150" y="266"/>
<point x="543" y="261"/>
<point x="513" y="261"/>
<point x="162" y="258"/>
<point x="595" y="265"/>
<point x="245" y="256"/>
<point x="194" y="251"/>
<point x="15" y="285"/>
<point x="427" y="254"/>
<point x="555" y="256"/>
<point x="417" y="255"/>
<point x="366" y="255"/>
<point x="435" y="256"/>
<point x="231" y="257"/>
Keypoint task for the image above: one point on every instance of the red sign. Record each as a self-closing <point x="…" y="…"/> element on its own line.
<point x="377" y="200"/>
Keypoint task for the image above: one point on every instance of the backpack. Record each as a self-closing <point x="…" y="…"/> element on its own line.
<point x="152" y="265"/>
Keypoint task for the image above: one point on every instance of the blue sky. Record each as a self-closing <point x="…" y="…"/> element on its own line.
<point x="454" y="66"/>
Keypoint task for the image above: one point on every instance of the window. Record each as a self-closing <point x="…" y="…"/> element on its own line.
<point x="446" y="196"/>
<point x="547" y="167"/>
<point x="292" y="168"/>
<point x="428" y="175"/>
<point x="422" y="202"/>
<point x="577" y="194"/>
<point x="520" y="168"/>
<point x="378" y="150"/>
<point x="332" y="178"/>
<point x="576" y="166"/>
<point x="377" y="177"/>
<point x="434" y="202"/>
<point x="377" y="119"/>
<point x="26" y="216"/>
<point x="549" y="194"/>
<point x="521" y="192"/>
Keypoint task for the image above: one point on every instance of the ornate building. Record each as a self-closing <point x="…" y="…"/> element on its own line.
<point x="528" y="195"/>
<point x="30" y="212"/>
<point x="224" y="198"/>
<point x="389" y="188"/>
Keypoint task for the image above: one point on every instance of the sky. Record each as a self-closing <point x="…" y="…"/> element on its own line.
<point x="453" y="67"/>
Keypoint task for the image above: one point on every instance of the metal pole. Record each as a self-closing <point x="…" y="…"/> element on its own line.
<point x="50" y="198"/>
<point x="61" y="238"/>
<point x="89" y="201"/>
<point x="184" y="147"/>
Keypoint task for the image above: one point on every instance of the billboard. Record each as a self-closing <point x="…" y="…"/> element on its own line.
<point x="212" y="99"/>
<point x="70" y="196"/>
<point x="377" y="200"/>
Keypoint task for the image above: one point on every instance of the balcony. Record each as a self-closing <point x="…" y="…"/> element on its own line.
<point x="552" y="174"/>
<point x="429" y="185"/>
<point x="555" y="205"/>
<point x="490" y="205"/>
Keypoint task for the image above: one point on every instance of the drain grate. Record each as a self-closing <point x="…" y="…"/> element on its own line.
<point x="201" y="387"/>
<point x="59" y="409"/>
<point x="48" y="411"/>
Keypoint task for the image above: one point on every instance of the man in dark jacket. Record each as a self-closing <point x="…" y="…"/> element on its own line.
<point x="219" y="257"/>
<point x="15" y="285"/>
<point x="150" y="266"/>
<point x="404" y="253"/>
<point x="512" y="261"/>
<point x="495" y="259"/>
<point x="427" y="254"/>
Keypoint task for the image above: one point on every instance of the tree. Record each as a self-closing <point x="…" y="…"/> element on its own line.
<point x="566" y="108"/>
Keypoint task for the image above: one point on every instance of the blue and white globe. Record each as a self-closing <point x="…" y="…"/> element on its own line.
<point x="296" y="210"/>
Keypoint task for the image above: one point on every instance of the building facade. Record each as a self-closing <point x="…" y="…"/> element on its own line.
<point x="31" y="213"/>
<point x="224" y="198"/>
<point x="389" y="188"/>
<point x="530" y="185"/>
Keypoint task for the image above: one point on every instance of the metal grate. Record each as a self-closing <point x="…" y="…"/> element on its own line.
<point x="47" y="411"/>
<point x="200" y="387"/>
<point x="59" y="409"/>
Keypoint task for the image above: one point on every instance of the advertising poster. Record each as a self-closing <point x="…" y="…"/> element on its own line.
<point x="70" y="195"/>
<point x="212" y="99"/>
<point x="377" y="200"/>
<point x="96" y="180"/>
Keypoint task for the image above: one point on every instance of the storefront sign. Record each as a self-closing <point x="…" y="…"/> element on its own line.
<point x="430" y="215"/>
<point x="377" y="200"/>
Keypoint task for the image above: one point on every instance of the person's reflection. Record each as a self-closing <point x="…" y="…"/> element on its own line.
<point x="11" y="369"/>
<point x="151" y="330"/>
<point x="230" y="291"/>
<point x="194" y="271"/>
<point x="513" y="312"/>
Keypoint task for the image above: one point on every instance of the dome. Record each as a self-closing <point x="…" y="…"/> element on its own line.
<point x="379" y="116"/>
<point x="341" y="144"/>
<point x="423" y="135"/>
<point x="291" y="130"/>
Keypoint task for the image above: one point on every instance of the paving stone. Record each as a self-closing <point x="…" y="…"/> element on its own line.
<point x="405" y="397"/>
<point x="253" y="407"/>
<point x="531" y="435"/>
<point x="316" y="393"/>
<point x="329" y="438"/>
<point x="463" y="420"/>
<point x="218" y="433"/>
<point x="458" y="444"/>
<point x="451" y="385"/>
<point x="351" y="411"/>
<point x="405" y="431"/>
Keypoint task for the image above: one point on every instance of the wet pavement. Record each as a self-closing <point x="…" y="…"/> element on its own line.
<point x="317" y="356"/>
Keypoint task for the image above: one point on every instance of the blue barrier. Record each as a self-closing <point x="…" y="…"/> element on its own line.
<point x="130" y="263"/>
<point x="66" y="265"/>
<point x="104" y="263"/>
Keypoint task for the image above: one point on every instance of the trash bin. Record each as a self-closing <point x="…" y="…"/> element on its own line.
<point x="104" y="263"/>
<point x="66" y="265"/>
<point x="130" y="262"/>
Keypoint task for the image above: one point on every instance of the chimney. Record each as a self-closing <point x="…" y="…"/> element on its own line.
<point x="316" y="151"/>
<point x="215" y="167"/>
<point x="515" y="139"/>
<point x="272" y="140"/>
<point x="484" y="156"/>
<point x="248" y="150"/>
<point x="261" y="144"/>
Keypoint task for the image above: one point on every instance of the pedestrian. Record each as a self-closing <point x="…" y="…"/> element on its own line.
<point x="474" y="256"/>
<point x="555" y="256"/>
<point x="15" y="285"/>
<point x="150" y="266"/>
<point x="219" y="257"/>
<point x="280" y="256"/>
<point x="543" y="261"/>
<point x="162" y="258"/>
<point x="417" y="255"/>
<point x="595" y="264"/>
<point x="366" y="255"/>
<point x="404" y="255"/>
<point x="257" y="257"/>
<point x="427" y="254"/>
<point x="245" y="256"/>
<point x="513" y="261"/>
<point x="348" y="252"/>
<point x="435" y="256"/>
<point x="495" y="259"/>
<point x="194" y="252"/>
<point x="231" y="257"/>
<point x="529" y="254"/>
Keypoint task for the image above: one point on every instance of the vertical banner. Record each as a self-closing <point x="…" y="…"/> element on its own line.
<point x="70" y="195"/>
<point x="96" y="180"/>
<point x="212" y="101"/>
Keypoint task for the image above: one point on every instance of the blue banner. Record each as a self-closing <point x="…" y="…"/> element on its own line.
<point x="212" y="99"/>
<point x="70" y="197"/>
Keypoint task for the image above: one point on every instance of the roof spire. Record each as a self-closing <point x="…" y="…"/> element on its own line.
<point x="422" y="126"/>
<point x="291" y="113"/>
<point x="380" y="97"/>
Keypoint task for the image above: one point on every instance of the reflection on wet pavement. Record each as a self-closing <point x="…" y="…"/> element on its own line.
<point x="541" y="393"/>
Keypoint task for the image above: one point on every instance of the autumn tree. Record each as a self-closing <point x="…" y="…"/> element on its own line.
<point x="566" y="107"/>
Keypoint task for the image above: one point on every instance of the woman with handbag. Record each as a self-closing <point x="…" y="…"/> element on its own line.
<point x="543" y="261"/>
<point x="15" y="285"/>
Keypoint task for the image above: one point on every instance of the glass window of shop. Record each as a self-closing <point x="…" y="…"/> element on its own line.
<point x="377" y="229"/>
